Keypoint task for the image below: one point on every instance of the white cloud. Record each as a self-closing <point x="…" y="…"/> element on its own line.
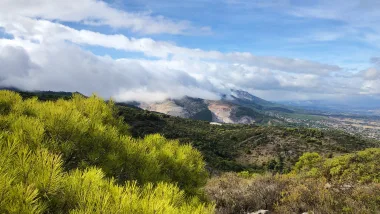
<point x="14" y="62"/>
<point x="342" y="19"/>
<point x="95" y="12"/>
<point x="68" y="68"/>
<point x="370" y="74"/>
<point x="370" y="87"/>
<point x="359" y="18"/>
<point x="375" y="60"/>
<point x="46" y="31"/>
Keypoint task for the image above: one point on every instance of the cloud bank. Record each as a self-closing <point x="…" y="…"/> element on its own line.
<point x="43" y="52"/>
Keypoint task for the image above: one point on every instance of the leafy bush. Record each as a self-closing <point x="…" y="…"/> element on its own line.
<point x="240" y="193"/>
<point x="309" y="163"/>
<point x="76" y="156"/>
<point x="358" y="167"/>
<point x="344" y="184"/>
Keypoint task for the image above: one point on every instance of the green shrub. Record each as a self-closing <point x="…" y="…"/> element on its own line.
<point x="343" y="184"/>
<point x="358" y="167"/>
<point x="309" y="163"/>
<point x="76" y="156"/>
<point x="362" y="167"/>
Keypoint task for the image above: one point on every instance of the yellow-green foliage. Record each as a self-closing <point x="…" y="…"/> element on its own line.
<point x="358" y="167"/>
<point x="77" y="157"/>
<point x="310" y="163"/>
<point x="362" y="166"/>
<point x="88" y="192"/>
<point x="344" y="184"/>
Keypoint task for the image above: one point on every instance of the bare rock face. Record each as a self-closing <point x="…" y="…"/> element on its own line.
<point x="221" y="111"/>
<point x="166" y="107"/>
<point x="191" y="105"/>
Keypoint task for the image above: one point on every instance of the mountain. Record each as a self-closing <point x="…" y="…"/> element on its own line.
<point x="239" y="107"/>
<point x="243" y="96"/>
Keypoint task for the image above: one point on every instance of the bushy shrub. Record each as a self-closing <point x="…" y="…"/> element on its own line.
<point x="362" y="167"/>
<point x="309" y="163"/>
<point x="75" y="156"/>
<point x="306" y="195"/>
<point x="315" y="195"/>
<point x="343" y="184"/>
<point x="358" y="167"/>
<point x="234" y="193"/>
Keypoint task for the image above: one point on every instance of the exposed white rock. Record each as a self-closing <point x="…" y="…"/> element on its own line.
<point x="260" y="212"/>
<point x="215" y="123"/>
<point x="221" y="111"/>
<point x="166" y="107"/>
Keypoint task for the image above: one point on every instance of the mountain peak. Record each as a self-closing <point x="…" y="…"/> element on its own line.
<point x="245" y="96"/>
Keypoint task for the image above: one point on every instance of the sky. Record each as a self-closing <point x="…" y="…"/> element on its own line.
<point x="149" y="50"/>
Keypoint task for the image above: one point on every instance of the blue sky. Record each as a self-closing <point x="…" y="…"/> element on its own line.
<point x="150" y="50"/>
<point x="259" y="27"/>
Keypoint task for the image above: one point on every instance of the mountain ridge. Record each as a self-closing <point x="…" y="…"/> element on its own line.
<point x="240" y="107"/>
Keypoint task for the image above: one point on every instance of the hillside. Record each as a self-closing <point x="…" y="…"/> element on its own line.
<point x="237" y="147"/>
<point x="240" y="147"/>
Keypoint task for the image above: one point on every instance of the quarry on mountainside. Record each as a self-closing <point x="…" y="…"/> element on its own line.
<point x="234" y="110"/>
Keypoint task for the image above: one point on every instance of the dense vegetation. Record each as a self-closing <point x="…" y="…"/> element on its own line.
<point x="345" y="184"/>
<point x="76" y="156"/>
<point x="244" y="147"/>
